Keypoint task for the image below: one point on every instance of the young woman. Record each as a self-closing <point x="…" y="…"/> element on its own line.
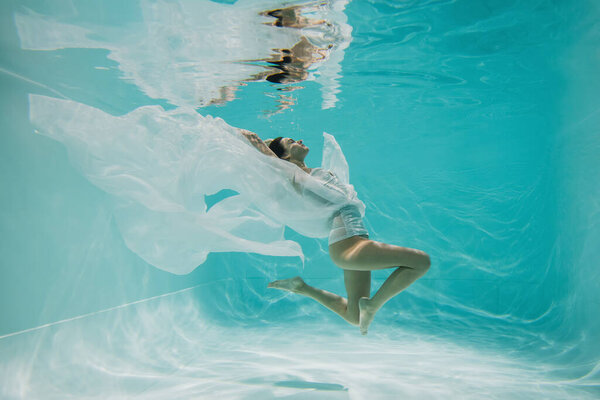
<point x="349" y="248"/>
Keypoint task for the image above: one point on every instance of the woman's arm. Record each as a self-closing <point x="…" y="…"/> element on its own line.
<point x="257" y="142"/>
<point x="329" y="193"/>
<point x="287" y="169"/>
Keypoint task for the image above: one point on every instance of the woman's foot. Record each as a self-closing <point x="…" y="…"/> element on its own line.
<point x="291" y="285"/>
<point x="367" y="313"/>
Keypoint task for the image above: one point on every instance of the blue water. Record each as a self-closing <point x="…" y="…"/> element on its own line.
<point x="472" y="131"/>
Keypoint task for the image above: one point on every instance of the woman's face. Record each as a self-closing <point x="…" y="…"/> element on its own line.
<point x="296" y="150"/>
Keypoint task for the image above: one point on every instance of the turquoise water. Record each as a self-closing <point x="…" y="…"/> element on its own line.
<point x="471" y="130"/>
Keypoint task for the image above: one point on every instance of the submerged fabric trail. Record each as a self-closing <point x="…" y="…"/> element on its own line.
<point x="158" y="165"/>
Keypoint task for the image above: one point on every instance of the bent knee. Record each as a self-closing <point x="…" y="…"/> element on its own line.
<point x="424" y="262"/>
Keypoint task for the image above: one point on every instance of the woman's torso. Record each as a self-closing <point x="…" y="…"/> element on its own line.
<point x="347" y="195"/>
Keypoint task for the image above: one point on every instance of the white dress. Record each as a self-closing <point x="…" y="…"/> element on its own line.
<point x="158" y="165"/>
<point x="347" y="221"/>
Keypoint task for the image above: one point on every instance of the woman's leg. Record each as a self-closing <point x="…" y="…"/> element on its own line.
<point x="358" y="284"/>
<point x="398" y="280"/>
<point x="359" y="254"/>
<point x="335" y="303"/>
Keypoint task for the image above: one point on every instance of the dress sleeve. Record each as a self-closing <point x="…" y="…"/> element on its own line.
<point x="333" y="158"/>
<point x="329" y="193"/>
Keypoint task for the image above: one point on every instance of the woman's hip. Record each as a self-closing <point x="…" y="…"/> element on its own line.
<point x="347" y="223"/>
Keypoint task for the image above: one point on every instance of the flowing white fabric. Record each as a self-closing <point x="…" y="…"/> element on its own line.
<point x="158" y="165"/>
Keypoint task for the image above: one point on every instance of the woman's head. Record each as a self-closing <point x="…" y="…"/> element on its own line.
<point x="288" y="149"/>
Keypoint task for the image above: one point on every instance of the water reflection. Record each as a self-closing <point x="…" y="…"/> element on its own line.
<point x="292" y="16"/>
<point x="292" y="65"/>
<point x="200" y="54"/>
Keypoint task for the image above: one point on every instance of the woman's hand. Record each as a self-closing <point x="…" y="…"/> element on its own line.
<point x="248" y="134"/>
<point x="257" y="142"/>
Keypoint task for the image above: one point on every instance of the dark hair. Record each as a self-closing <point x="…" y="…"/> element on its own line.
<point x="278" y="78"/>
<point x="276" y="146"/>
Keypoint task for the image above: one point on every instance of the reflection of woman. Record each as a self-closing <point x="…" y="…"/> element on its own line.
<point x="291" y="17"/>
<point x="349" y="245"/>
<point x="295" y="62"/>
<point x="291" y="65"/>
